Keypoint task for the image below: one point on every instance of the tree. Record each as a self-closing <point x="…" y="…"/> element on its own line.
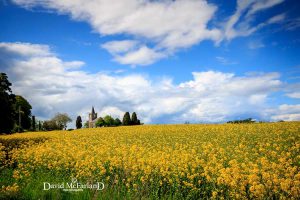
<point x="78" y="122"/>
<point x="109" y="121"/>
<point x="134" y="119"/>
<point x="40" y="125"/>
<point x="86" y="124"/>
<point x="50" y="125"/>
<point x="33" y="123"/>
<point x="118" y="122"/>
<point x="126" y="119"/>
<point x="22" y="105"/>
<point x="7" y="99"/>
<point x="61" y="120"/>
<point x="100" y="122"/>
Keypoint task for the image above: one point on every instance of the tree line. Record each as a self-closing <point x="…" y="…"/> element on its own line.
<point x="109" y="121"/>
<point x="16" y="116"/>
<point x="243" y="121"/>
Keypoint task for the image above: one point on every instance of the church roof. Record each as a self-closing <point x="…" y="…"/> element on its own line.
<point x="93" y="111"/>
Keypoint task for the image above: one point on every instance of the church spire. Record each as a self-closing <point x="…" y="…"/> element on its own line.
<point x="92" y="117"/>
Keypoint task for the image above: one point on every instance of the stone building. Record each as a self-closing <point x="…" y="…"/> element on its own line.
<point x="92" y="118"/>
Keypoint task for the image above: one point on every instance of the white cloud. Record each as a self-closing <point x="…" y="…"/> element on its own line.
<point x="141" y="56"/>
<point x="168" y="25"/>
<point x="74" y="64"/>
<point x="287" y="113"/>
<point x="133" y="53"/>
<point x="51" y="86"/>
<point x="260" y="5"/>
<point x="120" y="46"/>
<point x="277" y="19"/>
<point x="158" y="28"/>
<point x="26" y="49"/>
<point x="240" y="23"/>
<point x="112" y="111"/>
<point x="294" y="95"/>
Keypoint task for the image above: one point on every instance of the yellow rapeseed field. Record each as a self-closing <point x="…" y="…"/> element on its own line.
<point x="230" y="161"/>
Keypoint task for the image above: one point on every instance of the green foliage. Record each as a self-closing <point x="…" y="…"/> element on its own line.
<point x="25" y="111"/>
<point x="244" y="121"/>
<point x="86" y="124"/>
<point x="50" y="125"/>
<point x="7" y="99"/>
<point x="78" y="122"/>
<point x="61" y="120"/>
<point x="118" y="122"/>
<point x="58" y="122"/>
<point x="33" y="125"/>
<point x="100" y="122"/>
<point x="109" y="121"/>
<point x="40" y="126"/>
<point x="126" y="119"/>
<point x="134" y="119"/>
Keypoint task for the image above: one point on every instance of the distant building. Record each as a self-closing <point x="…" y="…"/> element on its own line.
<point x="92" y="118"/>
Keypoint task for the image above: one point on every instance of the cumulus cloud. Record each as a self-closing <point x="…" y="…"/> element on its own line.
<point x="141" y="56"/>
<point x="52" y="85"/>
<point x="26" y="49"/>
<point x="168" y="25"/>
<point x="133" y="53"/>
<point x="158" y="28"/>
<point x="287" y="113"/>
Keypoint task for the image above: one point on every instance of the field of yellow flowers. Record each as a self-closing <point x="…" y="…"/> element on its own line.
<point x="227" y="161"/>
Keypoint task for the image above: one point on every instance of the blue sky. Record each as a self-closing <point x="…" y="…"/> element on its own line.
<point x="170" y="61"/>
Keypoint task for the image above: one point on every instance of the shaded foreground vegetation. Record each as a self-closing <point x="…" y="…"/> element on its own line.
<point x="231" y="161"/>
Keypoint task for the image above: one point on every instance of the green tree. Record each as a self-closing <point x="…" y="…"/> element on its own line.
<point x="86" y="124"/>
<point x="100" y="122"/>
<point x="40" y="125"/>
<point x="61" y="119"/>
<point x="33" y="123"/>
<point x="78" y="122"/>
<point x="25" y="112"/>
<point x="126" y="119"/>
<point x="109" y="121"/>
<point x="7" y="99"/>
<point x="118" y="122"/>
<point x="134" y="119"/>
<point x="50" y="125"/>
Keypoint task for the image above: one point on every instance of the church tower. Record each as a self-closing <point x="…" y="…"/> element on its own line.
<point x="92" y="117"/>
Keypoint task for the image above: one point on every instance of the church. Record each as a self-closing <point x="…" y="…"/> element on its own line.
<point x="92" y="118"/>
